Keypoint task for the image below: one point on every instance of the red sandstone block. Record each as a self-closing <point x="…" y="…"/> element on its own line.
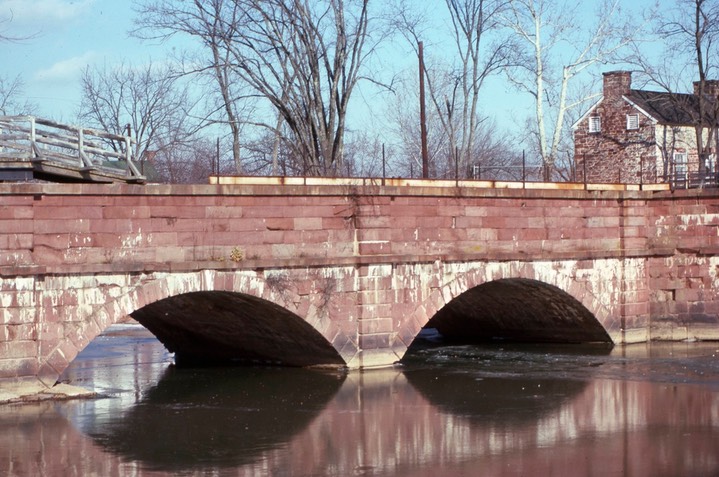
<point x="16" y="200"/>
<point x="223" y="212"/>
<point x="374" y="248"/>
<point x="374" y="296"/>
<point x="336" y="223"/>
<point x="494" y="222"/>
<point x="134" y="212"/>
<point x="18" y="349"/>
<point x="469" y="222"/>
<point x="49" y="226"/>
<point x="15" y="368"/>
<point x="16" y="241"/>
<point x="245" y="224"/>
<point x="374" y="222"/>
<point x="171" y="255"/>
<point x="73" y="213"/>
<point x="316" y="238"/>
<point x="16" y="258"/>
<point x="688" y="295"/>
<point x="271" y="211"/>
<point x="173" y="212"/>
<point x="70" y="201"/>
<point x="279" y="223"/>
<point x="450" y="210"/>
<point x="413" y="210"/>
<point x="111" y="226"/>
<point x="507" y="234"/>
<point x="179" y="225"/>
<point x="374" y="341"/>
<point x="477" y="211"/>
<point x="374" y="326"/>
<point x="532" y="234"/>
<point x="316" y="211"/>
<point x="635" y="221"/>
<point x="17" y="212"/>
<point x="20" y="226"/>
<point x="308" y="223"/>
<point x="366" y="235"/>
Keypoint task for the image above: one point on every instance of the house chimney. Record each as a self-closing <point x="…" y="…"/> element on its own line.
<point x="711" y="88"/>
<point x="617" y="84"/>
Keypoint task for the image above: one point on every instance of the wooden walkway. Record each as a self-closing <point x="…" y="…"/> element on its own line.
<point x="38" y="149"/>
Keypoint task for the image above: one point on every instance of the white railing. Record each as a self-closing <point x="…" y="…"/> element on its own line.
<point x="28" y="138"/>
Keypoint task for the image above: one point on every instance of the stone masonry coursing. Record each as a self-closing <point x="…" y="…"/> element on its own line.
<point x="365" y="269"/>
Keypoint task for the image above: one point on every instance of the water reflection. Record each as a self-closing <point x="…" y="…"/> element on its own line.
<point x="215" y="416"/>
<point x="451" y="412"/>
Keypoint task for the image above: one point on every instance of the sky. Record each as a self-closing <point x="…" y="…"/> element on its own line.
<point x="62" y="38"/>
<point x="65" y="36"/>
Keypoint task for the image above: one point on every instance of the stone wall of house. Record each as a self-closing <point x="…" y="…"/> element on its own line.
<point x="616" y="154"/>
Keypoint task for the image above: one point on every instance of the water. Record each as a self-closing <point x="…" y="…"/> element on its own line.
<point x="499" y="410"/>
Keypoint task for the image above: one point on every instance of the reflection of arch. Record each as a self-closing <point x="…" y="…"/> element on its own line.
<point x="266" y="288"/>
<point x="544" y="278"/>
<point x="507" y="385"/>
<point x="493" y="400"/>
<point x="216" y="417"/>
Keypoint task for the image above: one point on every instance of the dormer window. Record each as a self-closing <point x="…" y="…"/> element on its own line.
<point x="632" y="122"/>
<point x="595" y="124"/>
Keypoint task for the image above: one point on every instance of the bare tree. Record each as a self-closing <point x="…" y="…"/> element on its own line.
<point x="190" y="162"/>
<point x="213" y="23"/>
<point x="5" y="37"/>
<point x="688" y="31"/>
<point x="11" y="97"/>
<point x="491" y="155"/>
<point x="544" y="26"/>
<point x="304" y="57"/>
<point x="691" y="29"/>
<point x="147" y="103"/>
<point x="480" y="50"/>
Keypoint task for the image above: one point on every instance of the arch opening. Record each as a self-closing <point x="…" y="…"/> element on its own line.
<point x="517" y="310"/>
<point x="219" y="327"/>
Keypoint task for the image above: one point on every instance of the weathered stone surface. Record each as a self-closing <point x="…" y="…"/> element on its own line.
<point x="314" y="276"/>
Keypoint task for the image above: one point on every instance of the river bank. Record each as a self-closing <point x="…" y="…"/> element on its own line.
<point x="34" y="391"/>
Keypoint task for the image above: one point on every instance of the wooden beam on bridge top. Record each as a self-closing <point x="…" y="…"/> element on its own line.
<point x="439" y="183"/>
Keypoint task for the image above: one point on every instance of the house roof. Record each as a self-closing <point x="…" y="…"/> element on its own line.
<point x="678" y="109"/>
<point x="673" y="109"/>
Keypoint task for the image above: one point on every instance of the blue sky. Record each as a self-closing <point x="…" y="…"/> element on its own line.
<point x="68" y="35"/>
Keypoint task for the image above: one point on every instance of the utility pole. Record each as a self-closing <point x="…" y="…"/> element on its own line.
<point x="422" y="115"/>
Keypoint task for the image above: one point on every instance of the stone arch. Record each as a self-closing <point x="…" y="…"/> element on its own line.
<point x="255" y="289"/>
<point x="547" y="277"/>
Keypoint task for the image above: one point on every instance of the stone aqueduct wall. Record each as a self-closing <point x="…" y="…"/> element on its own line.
<point x="366" y="267"/>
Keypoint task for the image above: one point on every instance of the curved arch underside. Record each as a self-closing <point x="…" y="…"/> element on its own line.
<point x="518" y="309"/>
<point x="221" y="327"/>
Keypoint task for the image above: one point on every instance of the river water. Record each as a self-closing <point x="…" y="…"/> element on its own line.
<point x="499" y="410"/>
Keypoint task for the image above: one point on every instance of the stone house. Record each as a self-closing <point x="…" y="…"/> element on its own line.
<point x="639" y="136"/>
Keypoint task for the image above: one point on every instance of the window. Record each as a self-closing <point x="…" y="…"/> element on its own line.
<point x="632" y="122"/>
<point x="595" y="124"/>
<point x="680" y="163"/>
<point x="709" y="163"/>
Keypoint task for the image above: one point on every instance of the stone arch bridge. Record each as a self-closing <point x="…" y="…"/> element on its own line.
<point x="347" y="273"/>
